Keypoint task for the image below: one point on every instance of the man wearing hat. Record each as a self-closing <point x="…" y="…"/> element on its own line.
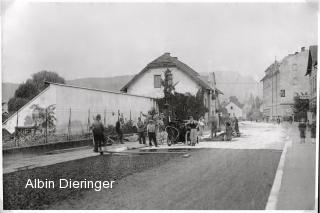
<point x="151" y="129"/>
<point x="98" y="137"/>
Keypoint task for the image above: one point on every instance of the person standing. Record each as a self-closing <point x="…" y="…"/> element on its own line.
<point x="151" y="129"/>
<point x="302" y="128"/>
<point x="193" y="130"/>
<point x="119" y="128"/>
<point x="236" y="126"/>
<point x="201" y="126"/>
<point x="141" y="128"/>
<point x="159" y="130"/>
<point x="214" y="122"/>
<point x="228" y="133"/>
<point x="313" y="129"/>
<point x="98" y="137"/>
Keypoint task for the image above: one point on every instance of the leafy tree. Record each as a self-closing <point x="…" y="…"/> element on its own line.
<point x="31" y="88"/>
<point x="27" y="90"/>
<point x="184" y="105"/>
<point x="15" y="104"/>
<point x="39" y="78"/>
<point x="44" y="117"/>
<point x="300" y="107"/>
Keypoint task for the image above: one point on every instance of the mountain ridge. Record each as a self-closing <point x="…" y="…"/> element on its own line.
<point x="230" y="83"/>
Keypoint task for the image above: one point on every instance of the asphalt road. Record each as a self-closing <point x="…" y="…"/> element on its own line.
<point x="219" y="179"/>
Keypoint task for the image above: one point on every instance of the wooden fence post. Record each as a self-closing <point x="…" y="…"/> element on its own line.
<point x="46" y="138"/>
<point x="88" y="126"/>
<point x="16" y="130"/>
<point x="69" y="125"/>
<point x="130" y="114"/>
<point x="104" y="116"/>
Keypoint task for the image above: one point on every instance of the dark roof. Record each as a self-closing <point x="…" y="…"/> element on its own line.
<point x="237" y="104"/>
<point x="313" y="58"/>
<point x="168" y="61"/>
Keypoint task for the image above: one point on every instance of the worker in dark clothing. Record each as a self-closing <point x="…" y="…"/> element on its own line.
<point x="98" y="137"/>
<point x="302" y="128"/>
<point x="119" y="130"/>
<point x="141" y="128"/>
<point x="151" y="129"/>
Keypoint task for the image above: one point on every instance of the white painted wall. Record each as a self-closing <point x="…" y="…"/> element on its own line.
<point x="99" y="102"/>
<point x="44" y="99"/>
<point x="234" y="110"/>
<point x="81" y="101"/>
<point x="144" y="85"/>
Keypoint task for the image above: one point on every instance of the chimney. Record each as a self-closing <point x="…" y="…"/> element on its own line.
<point x="167" y="53"/>
<point x="175" y="57"/>
<point x="296" y="53"/>
<point x="303" y="49"/>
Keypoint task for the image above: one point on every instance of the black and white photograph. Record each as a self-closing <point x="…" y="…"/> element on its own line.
<point x="164" y="105"/>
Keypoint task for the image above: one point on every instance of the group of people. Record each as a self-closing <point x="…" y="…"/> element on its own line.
<point x="303" y="126"/>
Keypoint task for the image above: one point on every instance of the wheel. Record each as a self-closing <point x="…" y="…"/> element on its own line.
<point x="172" y="135"/>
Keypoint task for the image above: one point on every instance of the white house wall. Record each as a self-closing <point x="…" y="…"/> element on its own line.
<point x="44" y="99"/>
<point x="234" y="110"/>
<point x="144" y="85"/>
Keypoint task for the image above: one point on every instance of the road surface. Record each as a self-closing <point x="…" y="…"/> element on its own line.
<point x="223" y="175"/>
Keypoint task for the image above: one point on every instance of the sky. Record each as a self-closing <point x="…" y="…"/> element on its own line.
<point x="79" y="40"/>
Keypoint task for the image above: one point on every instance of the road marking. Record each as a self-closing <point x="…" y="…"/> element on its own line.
<point x="274" y="193"/>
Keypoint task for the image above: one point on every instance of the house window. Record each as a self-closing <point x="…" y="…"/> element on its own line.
<point x="231" y="107"/>
<point x="282" y="93"/>
<point x="157" y="81"/>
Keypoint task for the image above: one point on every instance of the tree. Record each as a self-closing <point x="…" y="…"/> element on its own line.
<point x="184" y="105"/>
<point x="44" y="117"/>
<point x="31" y="88"/>
<point x="300" y="107"/>
<point x="27" y="90"/>
<point x="39" y="78"/>
<point x="15" y="104"/>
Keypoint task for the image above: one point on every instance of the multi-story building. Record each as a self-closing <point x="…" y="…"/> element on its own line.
<point x="282" y="82"/>
<point x="271" y="82"/>
<point x="312" y="73"/>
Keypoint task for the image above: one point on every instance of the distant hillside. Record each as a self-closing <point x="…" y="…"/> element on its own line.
<point x="8" y="90"/>
<point x="234" y="84"/>
<point x="109" y="83"/>
<point x="230" y="83"/>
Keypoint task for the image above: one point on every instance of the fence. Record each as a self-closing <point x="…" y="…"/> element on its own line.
<point x="52" y="125"/>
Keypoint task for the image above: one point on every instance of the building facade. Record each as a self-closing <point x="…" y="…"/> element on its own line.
<point x="234" y="110"/>
<point x="312" y="70"/>
<point x="185" y="79"/>
<point x="282" y="82"/>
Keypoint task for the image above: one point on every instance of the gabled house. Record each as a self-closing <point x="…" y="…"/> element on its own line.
<point x="234" y="110"/>
<point x="148" y="81"/>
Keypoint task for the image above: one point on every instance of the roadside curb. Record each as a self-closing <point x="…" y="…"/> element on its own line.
<point x="274" y="193"/>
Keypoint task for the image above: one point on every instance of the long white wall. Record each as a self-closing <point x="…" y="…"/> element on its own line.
<point x="84" y="105"/>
